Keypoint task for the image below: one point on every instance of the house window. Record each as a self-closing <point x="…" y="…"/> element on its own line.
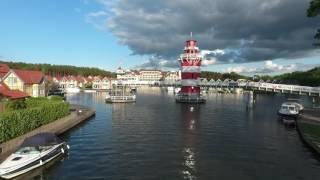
<point x="12" y="80"/>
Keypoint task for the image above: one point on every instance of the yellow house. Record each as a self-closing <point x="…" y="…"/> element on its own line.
<point x="30" y="82"/>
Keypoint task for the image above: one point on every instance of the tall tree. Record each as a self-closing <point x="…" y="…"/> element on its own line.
<point x="313" y="11"/>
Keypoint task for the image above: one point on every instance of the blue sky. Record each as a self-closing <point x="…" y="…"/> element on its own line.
<point x="43" y="31"/>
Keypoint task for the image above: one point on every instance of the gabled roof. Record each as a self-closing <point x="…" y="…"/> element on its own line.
<point x="88" y="79"/>
<point x="58" y="78"/>
<point x="49" y="78"/>
<point x="29" y="77"/>
<point x="4" y="69"/>
<point x="11" y="94"/>
<point x="96" y="78"/>
<point x="80" y="79"/>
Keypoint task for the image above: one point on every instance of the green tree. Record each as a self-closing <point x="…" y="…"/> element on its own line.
<point x="313" y="11"/>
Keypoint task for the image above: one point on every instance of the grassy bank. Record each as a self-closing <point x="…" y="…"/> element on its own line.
<point x="310" y="133"/>
<point x="311" y="129"/>
<point x="23" y="116"/>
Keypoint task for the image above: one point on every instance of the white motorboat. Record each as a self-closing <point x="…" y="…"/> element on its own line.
<point x="72" y="90"/>
<point x="299" y="106"/>
<point x="296" y="102"/>
<point x="170" y="89"/>
<point x="289" y="109"/>
<point x="34" y="152"/>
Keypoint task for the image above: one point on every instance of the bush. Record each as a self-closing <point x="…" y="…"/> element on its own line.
<point x="33" y="102"/>
<point x="15" y="105"/>
<point x="19" y="122"/>
<point x="56" y="98"/>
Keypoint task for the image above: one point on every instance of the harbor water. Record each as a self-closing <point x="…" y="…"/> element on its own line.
<point x="157" y="138"/>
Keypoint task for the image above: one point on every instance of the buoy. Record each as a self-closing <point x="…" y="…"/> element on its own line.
<point x="68" y="146"/>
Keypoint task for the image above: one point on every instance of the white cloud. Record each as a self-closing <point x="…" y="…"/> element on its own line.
<point x="240" y="70"/>
<point x="98" y="19"/>
<point x="269" y="67"/>
<point x="208" y="62"/>
<point x="212" y="52"/>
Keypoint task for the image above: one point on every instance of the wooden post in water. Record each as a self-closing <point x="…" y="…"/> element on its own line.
<point x="251" y="100"/>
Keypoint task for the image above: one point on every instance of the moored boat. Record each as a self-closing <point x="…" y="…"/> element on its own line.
<point x="34" y="152"/>
<point x="288" y="109"/>
<point x="72" y="90"/>
<point x="113" y="98"/>
<point x="120" y="94"/>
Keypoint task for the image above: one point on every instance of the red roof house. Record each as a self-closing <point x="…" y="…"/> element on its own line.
<point x="30" y="77"/>
<point x="30" y="82"/>
<point x="11" y="94"/>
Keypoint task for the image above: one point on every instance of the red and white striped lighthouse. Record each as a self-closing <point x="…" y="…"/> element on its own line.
<point x="190" y="72"/>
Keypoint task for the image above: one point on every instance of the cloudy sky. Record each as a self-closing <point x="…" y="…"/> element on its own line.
<point x="247" y="36"/>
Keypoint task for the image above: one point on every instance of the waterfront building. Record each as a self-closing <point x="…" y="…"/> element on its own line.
<point x="7" y="93"/>
<point x="150" y="75"/>
<point x="32" y="83"/>
<point x="141" y="77"/>
<point x="173" y="76"/>
<point x="100" y="83"/>
<point x="190" y="62"/>
<point x="68" y="82"/>
<point x="132" y="76"/>
<point x="96" y="82"/>
<point x="120" y="71"/>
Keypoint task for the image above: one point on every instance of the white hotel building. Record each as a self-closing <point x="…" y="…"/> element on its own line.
<point x="146" y="77"/>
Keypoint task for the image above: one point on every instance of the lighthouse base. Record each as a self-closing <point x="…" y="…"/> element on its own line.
<point x="192" y="99"/>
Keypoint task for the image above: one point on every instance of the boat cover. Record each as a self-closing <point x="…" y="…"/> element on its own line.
<point x="41" y="139"/>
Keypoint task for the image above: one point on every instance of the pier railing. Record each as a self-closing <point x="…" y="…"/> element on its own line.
<point x="262" y="86"/>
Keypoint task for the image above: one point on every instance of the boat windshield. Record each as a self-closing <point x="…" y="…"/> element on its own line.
<point x="27" y="150"/>
<point x="291" y="108"/>
<point x="44" y="148"/>
<point x="284" y="107"/>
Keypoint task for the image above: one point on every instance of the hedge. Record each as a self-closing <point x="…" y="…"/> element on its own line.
<point x="19" y="122"/>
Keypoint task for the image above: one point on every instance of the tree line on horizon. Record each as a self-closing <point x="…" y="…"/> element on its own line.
<point x="60" y="70"/>
<point x="307" y="78"/>
<point x="303" y="78"/>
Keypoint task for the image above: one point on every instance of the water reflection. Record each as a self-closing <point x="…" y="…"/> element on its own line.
<point x="191" y="121"/>
<point x="156" y="138"/>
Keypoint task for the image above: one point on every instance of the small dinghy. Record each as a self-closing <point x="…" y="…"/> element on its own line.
<point x="34" y="152"/>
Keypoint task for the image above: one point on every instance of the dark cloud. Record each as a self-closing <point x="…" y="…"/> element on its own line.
<point x="247" y="30"/>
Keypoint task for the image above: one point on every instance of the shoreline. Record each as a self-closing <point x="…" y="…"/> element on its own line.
<point x="309" y="117"/>
<point x="58" y="127"/>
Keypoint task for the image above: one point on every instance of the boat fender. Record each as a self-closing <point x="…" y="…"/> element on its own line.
<point x="41" y="163"/>
<point x="62" y="150"/>
<point x="68" y="146"/>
